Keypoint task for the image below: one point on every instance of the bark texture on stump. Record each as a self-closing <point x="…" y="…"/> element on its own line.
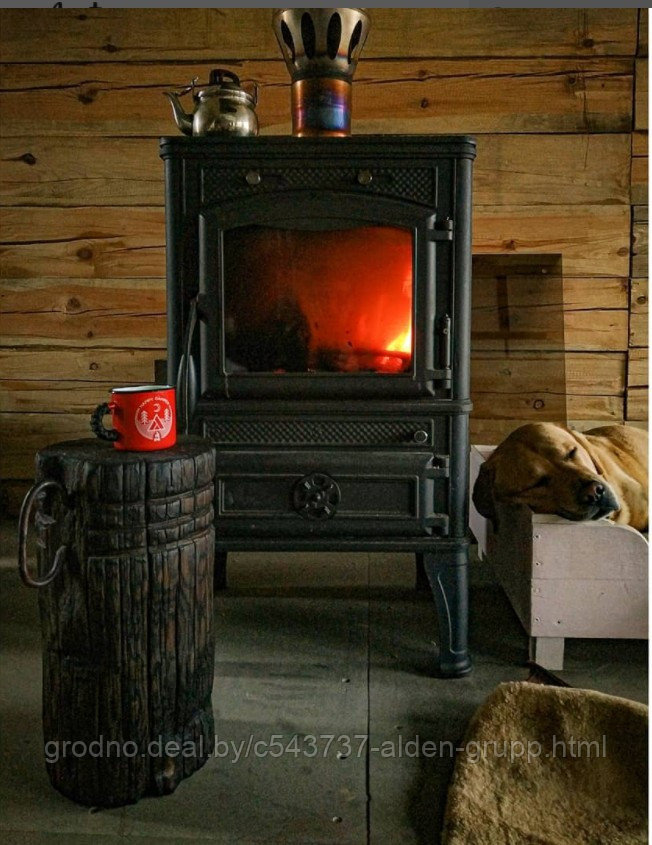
<point x="127" y="622"/>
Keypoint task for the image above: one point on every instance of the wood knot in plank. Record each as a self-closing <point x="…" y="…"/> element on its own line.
<point x="85" y="253"/>
<point x="425" y="103"/>
<point x="73" y="304"/>
<point x="538" y="404"/>
<point x="88" y="96"/>
<point x="93" y="366"/>
<point x="576" y="83"/>
<point x="110" y="48"/>
<point x="28" y="158"/>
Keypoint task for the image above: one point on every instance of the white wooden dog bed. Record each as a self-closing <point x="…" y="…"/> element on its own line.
<point x="565" y="579"/>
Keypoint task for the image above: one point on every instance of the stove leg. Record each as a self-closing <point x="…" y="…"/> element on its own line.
<point x="219" y="573"/>
<point x="447" y="573"/>
<point x="421" y="583"/>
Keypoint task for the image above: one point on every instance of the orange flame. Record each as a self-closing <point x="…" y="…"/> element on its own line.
<point x="402" y="342"/>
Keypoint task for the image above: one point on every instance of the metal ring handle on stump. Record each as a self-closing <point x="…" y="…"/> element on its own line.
<point x="23" y="528"/>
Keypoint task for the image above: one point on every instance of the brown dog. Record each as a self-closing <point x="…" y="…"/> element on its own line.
<point x="578" y="476"/>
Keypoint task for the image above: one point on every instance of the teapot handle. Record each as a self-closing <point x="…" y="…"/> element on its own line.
<point x="216" y="77"/>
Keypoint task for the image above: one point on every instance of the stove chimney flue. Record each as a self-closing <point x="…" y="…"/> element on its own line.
<point x="321" y="48"/>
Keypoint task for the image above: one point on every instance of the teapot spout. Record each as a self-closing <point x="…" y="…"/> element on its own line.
<point x="183" y="120"/>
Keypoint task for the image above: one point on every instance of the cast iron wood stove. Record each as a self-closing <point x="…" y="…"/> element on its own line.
<point x="318" y="333"/>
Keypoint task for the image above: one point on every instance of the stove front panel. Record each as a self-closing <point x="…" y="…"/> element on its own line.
<point x="330" y="280"/>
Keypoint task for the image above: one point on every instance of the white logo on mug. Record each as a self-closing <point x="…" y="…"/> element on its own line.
<point x="154" y="418"/>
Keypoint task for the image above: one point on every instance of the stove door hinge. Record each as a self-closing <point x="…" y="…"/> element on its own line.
<point x="443" y="375"/>
<point x="441" y="468"/>
<point x="442" y="230"/>
<point x="438" y="521"/>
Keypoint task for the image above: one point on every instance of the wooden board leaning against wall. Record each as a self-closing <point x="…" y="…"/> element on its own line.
<point x="557" y="99"/>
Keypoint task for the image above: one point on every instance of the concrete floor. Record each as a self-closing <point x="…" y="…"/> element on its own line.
<point x="337" y="645"/>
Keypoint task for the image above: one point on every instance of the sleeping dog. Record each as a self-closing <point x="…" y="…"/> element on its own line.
<point x="602" y="472"/>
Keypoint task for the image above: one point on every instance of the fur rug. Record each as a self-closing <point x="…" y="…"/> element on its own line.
<point x="512" y="785"/>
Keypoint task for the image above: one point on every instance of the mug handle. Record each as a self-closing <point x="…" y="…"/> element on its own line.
<point x="97" y="426"/>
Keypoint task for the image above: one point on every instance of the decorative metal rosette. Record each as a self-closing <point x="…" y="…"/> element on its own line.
<point x="316" y="496"/>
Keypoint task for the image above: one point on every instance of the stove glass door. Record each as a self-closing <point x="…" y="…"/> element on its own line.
<point x="302" y="300"/>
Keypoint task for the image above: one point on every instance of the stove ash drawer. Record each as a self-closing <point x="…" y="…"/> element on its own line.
<point x="290" y="431"/>
<point x="299" y="494"/>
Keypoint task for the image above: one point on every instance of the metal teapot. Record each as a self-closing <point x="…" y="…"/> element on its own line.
<point x="223" y="107"/>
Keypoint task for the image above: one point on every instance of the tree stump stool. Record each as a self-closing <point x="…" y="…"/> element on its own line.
<point x="127" y="544"/>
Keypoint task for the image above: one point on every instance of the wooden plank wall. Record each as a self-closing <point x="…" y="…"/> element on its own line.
<point x="557" y="98"/>
<point x="636" y="408"/>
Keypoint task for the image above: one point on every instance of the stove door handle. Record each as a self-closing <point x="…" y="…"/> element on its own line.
<point x="187" y="373"/>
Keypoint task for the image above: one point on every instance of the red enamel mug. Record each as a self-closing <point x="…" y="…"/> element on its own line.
<point x="144" y="418"/>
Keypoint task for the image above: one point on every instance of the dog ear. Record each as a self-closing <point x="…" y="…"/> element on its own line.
<point x="483" y="494"/>
<point x="584" y="441"/>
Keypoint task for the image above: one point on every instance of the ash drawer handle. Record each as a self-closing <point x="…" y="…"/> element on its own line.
<point x="420" y="436"/>
<point x="42" y="521"/>
<point x="365" y="177"/>
<point x="253" y="178"/>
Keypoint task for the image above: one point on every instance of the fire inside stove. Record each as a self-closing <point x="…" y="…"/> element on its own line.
<point x="298" y="300"/>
